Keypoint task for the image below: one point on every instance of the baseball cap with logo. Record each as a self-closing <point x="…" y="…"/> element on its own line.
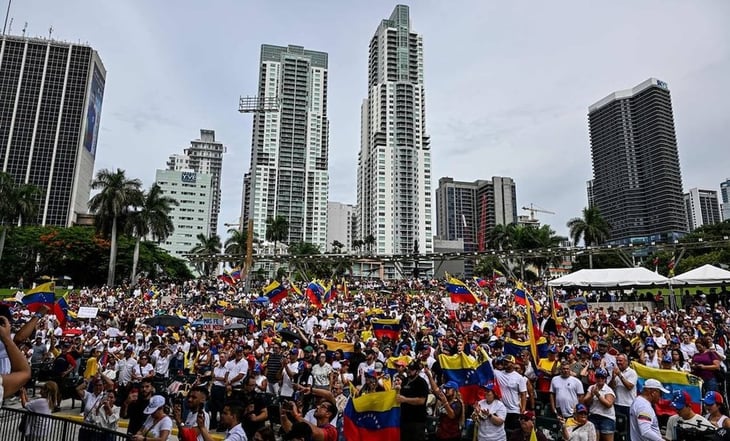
<point x="712" y="397"/>
<point x="680" y="400"/>
<point x="156" y="402"/>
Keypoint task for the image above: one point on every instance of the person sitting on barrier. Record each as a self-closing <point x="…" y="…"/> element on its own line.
<point x="11" y="383"/>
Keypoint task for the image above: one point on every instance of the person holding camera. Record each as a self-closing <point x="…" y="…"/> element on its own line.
<point x="195" y="401"/>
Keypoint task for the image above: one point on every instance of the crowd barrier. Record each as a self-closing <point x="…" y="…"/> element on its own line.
<point x="49" y="427"/>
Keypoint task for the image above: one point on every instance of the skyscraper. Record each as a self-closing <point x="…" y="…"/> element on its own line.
<point x="194" y="193"/>
<point x="51" y="94"/>
<point x="340" y="225"/>
<point x="394" y="162"/>
<point x="205" y="155"/>
<point x="702" y="208"/>
<point x="468" y="210"/>
<point x="637" y="183"/>
<point x="290" y="147"/>
<point x="725" y="196"/>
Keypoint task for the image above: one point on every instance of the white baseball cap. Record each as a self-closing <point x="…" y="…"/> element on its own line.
<point x="655" y="384"/>
<point x="156" y="402"/>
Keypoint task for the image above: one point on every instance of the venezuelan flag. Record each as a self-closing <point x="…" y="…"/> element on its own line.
<point x="390" y="367"/>
<point x="481" y="282"/>
<point x="332" y="346"/>
<point x="459" y="292"/>
<point x="236" y="274"/>
<point x="674" y="381"/>
<point x="40" y="295"/>
<point x="468" y="373"/>
<point x="275" y="292"/>
<point x="227" y="279"/>
<point x="515" y="347"/>
<point x="330" y="293"/>
<point x="315" y="293"/>
<point x="293" y="289"/>
<point x="386" y="328"/>
<point x="372" y="417"/>
<point x="60" y="309"/>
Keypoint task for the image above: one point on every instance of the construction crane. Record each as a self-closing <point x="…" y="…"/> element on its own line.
<point x="535" y="209"/>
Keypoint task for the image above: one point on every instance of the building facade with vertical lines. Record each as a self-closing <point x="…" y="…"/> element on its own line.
<point x="290" y="147"/>
<point x="637" y="182"/>
<point x="51" y="93"/>
<point x="394" y="163"/>
<point x="702" y="208"/>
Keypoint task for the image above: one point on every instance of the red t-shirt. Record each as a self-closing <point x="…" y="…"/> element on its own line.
<point x="330" y="432"/>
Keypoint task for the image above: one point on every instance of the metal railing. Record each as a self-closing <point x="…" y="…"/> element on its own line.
<point x="50" y="427"/>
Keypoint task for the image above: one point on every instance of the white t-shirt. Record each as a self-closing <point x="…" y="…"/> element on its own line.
<point x="697" y="422"/>
<point x="596" y="407"/>
<point x="153" y="430"/>
<point x="566" y="392"/>
<point x="511" y="385"/>
<point x="643" y="423"/>
<point x="192" y="421"/>
<point x="487" y="431"/>
<point x="624" y="397"/>
<point x="287" y="386"/>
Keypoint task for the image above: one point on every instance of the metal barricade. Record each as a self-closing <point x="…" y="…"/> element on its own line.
<point x="49" y="427"/>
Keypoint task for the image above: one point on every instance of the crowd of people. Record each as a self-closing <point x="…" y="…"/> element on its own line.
<point x="274" y="373"/>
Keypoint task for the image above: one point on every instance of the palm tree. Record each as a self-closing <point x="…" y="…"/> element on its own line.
<point x="369" y="241"/>
<point x="17" y="203"/>
<point x="206" y="248"/>
<point x="277" y="230"/>
<point x="152" y="218"/>
<point x="357" y="244"/>
<point x="237" y="244"/>
<point x="337" y="246"/>
<point x="592" y="228"/>
<point x="116" y="195"/>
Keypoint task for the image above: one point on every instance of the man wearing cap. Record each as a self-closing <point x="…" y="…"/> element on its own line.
<point x="412" y="397"/>
<point x="643" y="423"/>
<point x="527" y="429"/>
<point x="685" y="418"/>
<point x="514" y="392"/>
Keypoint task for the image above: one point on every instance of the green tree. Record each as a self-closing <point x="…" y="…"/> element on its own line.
<point x="302" y="263"/>
<point x="205" y="252"/>
<point x="357" y="244"/>
<point x="337" y="246"/>
<point x="592" y="228"/>
<point x="369" y="241"/>
<point x="152" y="218"/>
<point x="18" y="202"/>
<point x="277" y="230"/>
<point x="117" y="193"/>
<point x="237" y="244"/>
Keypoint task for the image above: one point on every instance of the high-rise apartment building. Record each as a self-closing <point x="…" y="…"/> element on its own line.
<point x="702" y="208"/>
<point x="468" y="210"/>
<point x="394" y="162"/>
<point x="637" y="183"/>
<point x="194" y="193"/>
<point x="725" y="196"/>
<point x="589" y="192"/>
<point x="51" y="94"/>
<point x="205" y="155"/>
<point x="340" y="225"/>
<point x="290" y="147"/>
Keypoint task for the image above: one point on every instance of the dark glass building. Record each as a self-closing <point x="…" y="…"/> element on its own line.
<point x="51" y="94"/>
<point x="637" y="183"/>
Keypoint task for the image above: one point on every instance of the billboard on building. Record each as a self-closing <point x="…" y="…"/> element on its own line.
<point x="93" y="113"/>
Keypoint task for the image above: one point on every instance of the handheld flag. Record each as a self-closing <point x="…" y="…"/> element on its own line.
<point x="459" y="292"/>
<point x="372" y="417"/>
<point x="533" y="330"/>
<point x="332" y="346"/>
<point x="330" y="293"/>
<point x="674" y="381"/>
<point x="315" y="293"/>
<point x="386" y="328"/>
<point x="468" y="373"/>
<point x="275" y="292"/>
<point x="60" y="309"/>
<point x="40" y="295"/>
<point x="481" y="282"/>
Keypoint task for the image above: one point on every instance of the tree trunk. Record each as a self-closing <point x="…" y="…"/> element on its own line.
<point x="135" y="260"/>
<point x="2" y="241"/>
<point x="112" y="255"/>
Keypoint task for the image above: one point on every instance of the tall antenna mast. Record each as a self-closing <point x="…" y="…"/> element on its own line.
<point x="7" y="14"/>
<point x="24" y="28"/>
<point x="50" y="32"/>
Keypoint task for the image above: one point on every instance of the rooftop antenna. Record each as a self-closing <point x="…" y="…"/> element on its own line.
<point x="50" y="32"/>
<point x="7" y="14"/>
<point x="25" y="27"/>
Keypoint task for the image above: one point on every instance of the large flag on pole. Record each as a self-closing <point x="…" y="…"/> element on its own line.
<point x="43" y="294"/>
<point x="533" y="331"/>
<point x="459" y="292"/>
<point x="275" y="292"/>
<point x="373" y="417"/>
<point x="674" y="381"/>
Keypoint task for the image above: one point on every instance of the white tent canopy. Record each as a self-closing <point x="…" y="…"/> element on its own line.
<point x="610" y="278"/>
<point x="704" y="275"/>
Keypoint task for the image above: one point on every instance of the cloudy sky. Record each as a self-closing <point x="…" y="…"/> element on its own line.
<point x="508" y="83"/>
